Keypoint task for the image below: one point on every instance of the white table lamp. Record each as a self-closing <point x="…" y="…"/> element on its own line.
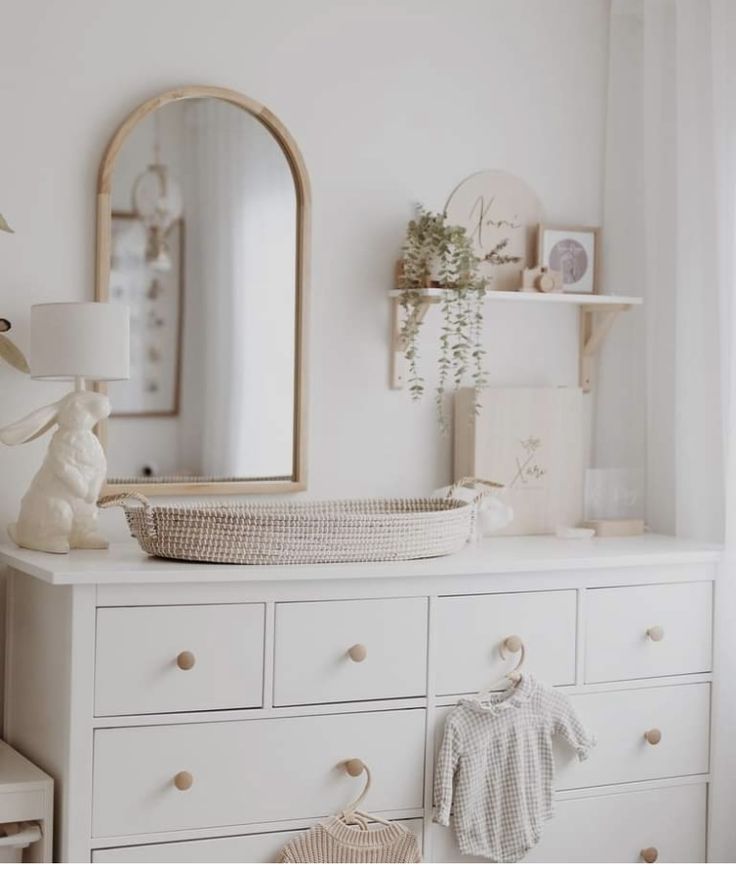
<point x="76" y="341"/>
<point x="80" y="340"/>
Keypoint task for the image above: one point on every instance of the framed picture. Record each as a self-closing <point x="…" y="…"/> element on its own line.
<point x="574" y="251"/>
<point x="155" y="300"/>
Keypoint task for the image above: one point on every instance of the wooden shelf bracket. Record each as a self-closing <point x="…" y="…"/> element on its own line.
<point x="398" y="346"/>
<point x="595" y="324"/>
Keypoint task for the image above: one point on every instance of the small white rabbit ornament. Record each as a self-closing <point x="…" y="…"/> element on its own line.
<point x="59" y="510"/>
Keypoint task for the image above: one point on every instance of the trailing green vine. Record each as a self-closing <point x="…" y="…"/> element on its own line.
<point x="436" y="254"/>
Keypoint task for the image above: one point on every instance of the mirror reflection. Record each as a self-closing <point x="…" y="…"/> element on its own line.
<point x="203" y="250"/>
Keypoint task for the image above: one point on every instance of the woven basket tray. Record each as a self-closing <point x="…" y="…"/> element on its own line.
<point x="299" y="533"/>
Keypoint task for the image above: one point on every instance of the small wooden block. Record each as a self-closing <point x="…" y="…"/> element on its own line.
<point x="616" y="527"/>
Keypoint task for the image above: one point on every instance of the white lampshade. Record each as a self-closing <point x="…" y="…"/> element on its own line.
<point x="88" y="340"/>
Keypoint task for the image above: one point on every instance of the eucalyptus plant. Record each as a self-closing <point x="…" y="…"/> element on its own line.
<point x="438" y="254"/>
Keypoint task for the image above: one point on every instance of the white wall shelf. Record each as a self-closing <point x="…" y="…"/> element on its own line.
<point x="597" y="315"/>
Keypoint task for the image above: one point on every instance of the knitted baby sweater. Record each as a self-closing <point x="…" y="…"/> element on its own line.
<point x="334" y="842"/>
<point x="495" y="768"/>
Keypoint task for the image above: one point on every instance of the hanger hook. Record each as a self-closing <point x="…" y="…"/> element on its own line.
<point x="355" y="767"/>
<point x="513" y="644"/>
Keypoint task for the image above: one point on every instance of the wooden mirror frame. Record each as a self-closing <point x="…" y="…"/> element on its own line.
<point x="303" y="200"/>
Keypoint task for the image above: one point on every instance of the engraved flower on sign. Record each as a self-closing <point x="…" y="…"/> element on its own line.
<point x="528" y="469"/>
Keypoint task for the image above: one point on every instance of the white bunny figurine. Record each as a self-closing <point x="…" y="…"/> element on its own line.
<point x="59" y="510"/>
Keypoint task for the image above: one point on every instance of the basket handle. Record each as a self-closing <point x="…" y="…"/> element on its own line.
<point x="119" y="500"/>
<point x="483" y="486"/>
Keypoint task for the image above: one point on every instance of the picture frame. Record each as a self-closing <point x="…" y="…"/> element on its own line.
<point x="153" y="389"/>
<point x="576" y="252"/>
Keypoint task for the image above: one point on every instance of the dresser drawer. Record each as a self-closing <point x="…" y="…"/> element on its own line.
<point x="253" y="770"/>
<point x="345" y="651"/>
<point x="611" y="829"/>
<point x="256" y="848"/>
<point x="648" y="631"/>
<point x="183" y="658"/>
<point x="470" y="630"/>
<point x="619" y="721"/>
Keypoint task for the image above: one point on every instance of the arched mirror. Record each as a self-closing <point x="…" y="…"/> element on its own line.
<point x="202" y="230"/>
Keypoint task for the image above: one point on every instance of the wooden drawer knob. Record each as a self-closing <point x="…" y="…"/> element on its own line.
<point x="354" y="767"/>
<point x="655" y="633"/>
<point x="185" y="660"/>
<point x="654" y="737"/>
<point x="649" y="855"/>
<point x="513" y="644"/>
<point x="183" y="780"/>
<point x="358" y="652"/>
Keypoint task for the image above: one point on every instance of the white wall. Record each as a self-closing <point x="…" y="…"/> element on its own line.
<point x="391" y="102"/>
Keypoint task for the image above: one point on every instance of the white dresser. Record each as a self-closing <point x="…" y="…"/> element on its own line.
<point x="203" y="713"/>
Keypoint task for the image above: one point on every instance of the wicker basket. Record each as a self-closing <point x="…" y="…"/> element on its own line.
<point x="300" y="533"/>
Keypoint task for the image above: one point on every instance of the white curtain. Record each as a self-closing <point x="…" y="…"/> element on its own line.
<point x="688" y="104"/>
<point x="723" y="37"/>
<point x="213" y="159"/>
<point x="241" y="275"/>
<point x="685" y="458"/>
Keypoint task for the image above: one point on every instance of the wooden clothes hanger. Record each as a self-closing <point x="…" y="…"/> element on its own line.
<point x="351" y="814"/>
<point x="512" y="644"/>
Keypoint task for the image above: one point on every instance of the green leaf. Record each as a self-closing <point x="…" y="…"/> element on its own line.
<point x="13" y="355"/>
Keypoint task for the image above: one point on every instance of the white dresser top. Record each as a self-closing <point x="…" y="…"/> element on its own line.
<point x="126" y="563"/>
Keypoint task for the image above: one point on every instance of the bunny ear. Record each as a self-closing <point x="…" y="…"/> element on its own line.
<point x="30" y="427"/>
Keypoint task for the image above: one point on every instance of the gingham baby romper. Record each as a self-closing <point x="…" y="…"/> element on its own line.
<point x="495" y="768"/>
